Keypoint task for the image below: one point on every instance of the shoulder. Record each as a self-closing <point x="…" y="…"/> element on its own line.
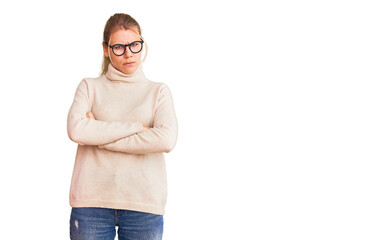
<point x="88" y="86"/>
<point x="91" y="80"/>
<point x="154" y="84"/>
<point x="90" y="83"/>
<point x="161" y="87"/>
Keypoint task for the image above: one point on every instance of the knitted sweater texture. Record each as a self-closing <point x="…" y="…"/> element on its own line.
<point x="118" y="164"/>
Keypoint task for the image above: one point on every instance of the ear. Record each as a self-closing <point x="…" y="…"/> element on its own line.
<point x="105" y="49"/>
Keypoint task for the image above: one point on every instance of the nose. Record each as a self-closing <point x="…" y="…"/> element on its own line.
<point x="128" y="52"/>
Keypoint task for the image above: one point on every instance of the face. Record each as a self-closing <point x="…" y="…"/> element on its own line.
<point x="129" y="61"/>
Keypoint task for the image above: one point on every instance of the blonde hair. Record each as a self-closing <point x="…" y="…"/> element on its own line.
<point x="116" y="22"/>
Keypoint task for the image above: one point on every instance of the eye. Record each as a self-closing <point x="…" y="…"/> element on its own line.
<point x="118" y="47"/>
<point x="135" y="44"/>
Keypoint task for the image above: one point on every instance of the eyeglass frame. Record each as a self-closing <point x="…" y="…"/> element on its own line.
<point x="125" y="47"/>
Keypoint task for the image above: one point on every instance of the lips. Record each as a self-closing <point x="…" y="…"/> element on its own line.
<point x="128" y="63"/>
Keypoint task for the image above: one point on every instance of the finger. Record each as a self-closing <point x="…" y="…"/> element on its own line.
<point x="90" y="115"/>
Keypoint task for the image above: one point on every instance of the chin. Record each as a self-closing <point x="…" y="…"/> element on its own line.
<point x="129" y="70"/>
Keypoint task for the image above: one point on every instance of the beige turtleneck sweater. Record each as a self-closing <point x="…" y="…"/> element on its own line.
<point x="118" y="164"/>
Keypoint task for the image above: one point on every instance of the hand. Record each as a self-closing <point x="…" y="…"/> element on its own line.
<point x="90" y="115"/>
<point x="145" y="128"/>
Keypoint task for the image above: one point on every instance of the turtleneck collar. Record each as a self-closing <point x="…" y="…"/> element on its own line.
<point x="115" y="75"/>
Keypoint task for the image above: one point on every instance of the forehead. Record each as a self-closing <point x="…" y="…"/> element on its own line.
<point x="124" y="36"/>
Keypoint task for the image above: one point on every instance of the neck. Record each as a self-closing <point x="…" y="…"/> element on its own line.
<point x="115" y="75"/>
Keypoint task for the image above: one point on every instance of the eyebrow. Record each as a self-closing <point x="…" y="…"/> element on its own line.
<point x="125" y="43"/>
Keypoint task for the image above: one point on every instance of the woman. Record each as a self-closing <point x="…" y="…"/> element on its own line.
<point x="123" y="124"/>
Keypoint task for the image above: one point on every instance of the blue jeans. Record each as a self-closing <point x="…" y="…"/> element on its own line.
<point x="89" y="223"/>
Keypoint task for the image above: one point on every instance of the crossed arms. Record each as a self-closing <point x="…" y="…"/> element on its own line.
<point x="127" y="136"/>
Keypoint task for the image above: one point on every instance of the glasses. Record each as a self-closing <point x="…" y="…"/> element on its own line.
<point x="119" y="49"/>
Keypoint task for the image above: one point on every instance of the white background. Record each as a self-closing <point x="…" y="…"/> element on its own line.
<point x="275" y="102"/>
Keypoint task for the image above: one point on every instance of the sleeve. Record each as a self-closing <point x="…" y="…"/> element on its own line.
<point x="86" y="131"/>
<point x="161" y="138"/>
